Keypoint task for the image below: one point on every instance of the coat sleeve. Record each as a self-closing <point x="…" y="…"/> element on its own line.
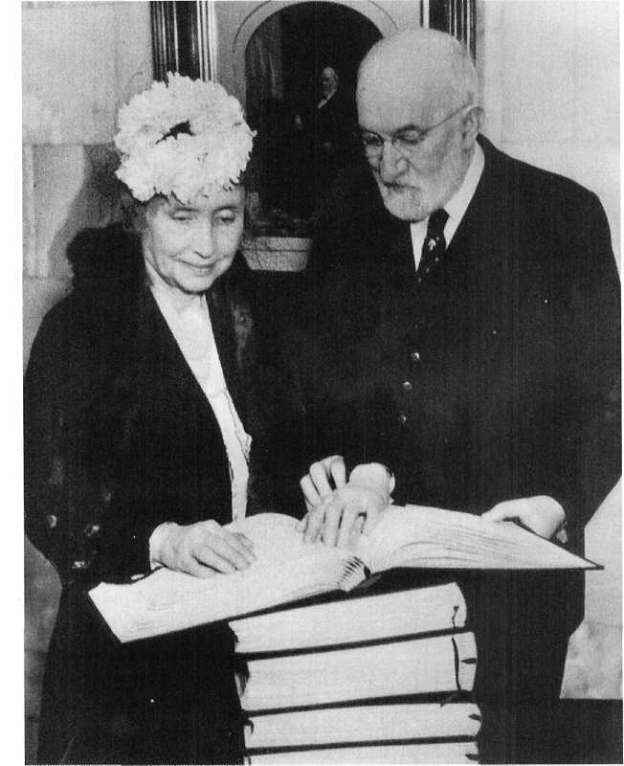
<point x="45" y="470"/>
<point x="567" y="344"/>
<point x="66" y="500"/>
<point x="594" y="358"/>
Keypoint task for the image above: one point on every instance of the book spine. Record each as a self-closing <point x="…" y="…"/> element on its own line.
<point x="439" y="664"/>
<point x="363" y="723"/>
<point x="356" y="618"/>
<point x="399" y="753"/>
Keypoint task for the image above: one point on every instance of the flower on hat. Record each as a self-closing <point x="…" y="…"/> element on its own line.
<point x="183" y="137"/>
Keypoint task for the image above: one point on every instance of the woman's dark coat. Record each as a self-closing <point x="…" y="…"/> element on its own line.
<point x="119" y="437"/>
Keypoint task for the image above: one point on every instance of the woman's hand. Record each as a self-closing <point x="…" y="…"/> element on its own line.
<point x="322" y="479"/>
<point x="339" y="516"/>
<point x="200" y="549"/>
<point x="540" y="514"/>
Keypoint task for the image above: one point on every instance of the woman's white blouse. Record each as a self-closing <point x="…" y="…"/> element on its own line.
<point x="189" y="321"/>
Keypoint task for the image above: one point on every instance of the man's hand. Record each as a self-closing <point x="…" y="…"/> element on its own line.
<point x="349" y="512"/>
<point x="322" y="479"/>
<point x="337" y="516"/>
<point x="200" y="549"/>
<point x="540" y="514"/>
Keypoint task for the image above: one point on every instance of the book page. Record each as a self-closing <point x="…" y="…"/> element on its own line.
<point x="418" y="536"/>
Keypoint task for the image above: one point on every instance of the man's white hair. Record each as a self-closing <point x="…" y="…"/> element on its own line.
<point x="424" y="55"/>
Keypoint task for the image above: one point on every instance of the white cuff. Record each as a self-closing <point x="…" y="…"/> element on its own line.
<point x="374" y="476"/>
<point x="155" y="542"/>
<point x="549" y="505"/>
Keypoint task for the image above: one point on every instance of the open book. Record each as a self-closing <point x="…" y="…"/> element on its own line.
<point x="288" y="569"/>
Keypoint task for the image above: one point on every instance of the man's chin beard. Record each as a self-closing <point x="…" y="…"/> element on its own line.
<point x="404" y="203"/>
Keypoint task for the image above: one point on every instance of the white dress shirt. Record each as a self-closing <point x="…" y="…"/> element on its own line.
<point x="456" y="207"/>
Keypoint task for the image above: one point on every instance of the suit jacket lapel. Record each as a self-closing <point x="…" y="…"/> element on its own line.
<point x="163" y="361"/>
<point x="486" y="236"/>
<point x="163" y="356"/>
<point x="228" y="327"/>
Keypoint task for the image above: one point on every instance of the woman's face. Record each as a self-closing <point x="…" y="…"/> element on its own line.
<point x="192" y="245"/>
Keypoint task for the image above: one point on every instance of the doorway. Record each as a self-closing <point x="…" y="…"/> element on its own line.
<point x="305" y="138"/>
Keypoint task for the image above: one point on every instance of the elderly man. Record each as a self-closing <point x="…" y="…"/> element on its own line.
<point x="466" y="334"/>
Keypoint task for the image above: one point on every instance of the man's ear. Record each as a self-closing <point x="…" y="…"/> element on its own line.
<point x="473" y="120"/>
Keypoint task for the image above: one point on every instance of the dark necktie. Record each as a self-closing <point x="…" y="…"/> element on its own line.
<point x="434" y="244"/>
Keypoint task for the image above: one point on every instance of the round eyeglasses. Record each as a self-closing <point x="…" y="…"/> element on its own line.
<point x="406" y="142"/>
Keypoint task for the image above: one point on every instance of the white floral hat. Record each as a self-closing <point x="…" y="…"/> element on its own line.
<point x="183" y="137"/>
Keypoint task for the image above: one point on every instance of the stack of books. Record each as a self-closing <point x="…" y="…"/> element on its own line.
<point x="376" y="676"/>
<point x="383" y="678"/>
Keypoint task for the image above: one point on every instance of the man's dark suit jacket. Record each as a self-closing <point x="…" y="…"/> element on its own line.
<point x="493" y="377"/>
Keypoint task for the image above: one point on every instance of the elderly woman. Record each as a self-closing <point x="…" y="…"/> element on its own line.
<point x="141" y="398"/>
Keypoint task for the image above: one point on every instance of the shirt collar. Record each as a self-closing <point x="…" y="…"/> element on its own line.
<point x="325" y="99"/>
<point x="456" y="207"/>
<point x="458" y="204"/>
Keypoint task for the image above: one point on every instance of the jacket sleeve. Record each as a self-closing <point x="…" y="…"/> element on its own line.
<point x="593" y="354"/>
<point x="66" y="500"/>
<point x="44" y="463"/>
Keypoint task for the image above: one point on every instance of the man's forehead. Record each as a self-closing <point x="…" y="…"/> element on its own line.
<point x="388" y="109"/>
<point x="395" y="99"/>
<point x="406" y="84"/>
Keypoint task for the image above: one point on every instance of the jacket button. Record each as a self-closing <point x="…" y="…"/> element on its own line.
<point x="402" y="418"/>
<point x="91" y="530"/>
<point x="407" y="385"/>
<point x="51" y="521"/>
<point x="415" y="356"/>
